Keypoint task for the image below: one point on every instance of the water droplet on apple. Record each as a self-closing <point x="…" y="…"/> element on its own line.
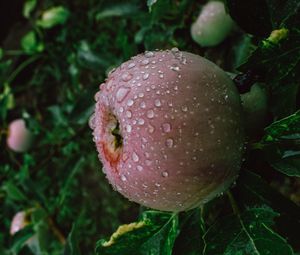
<point x="150" y="114"/>
<point x="141" y="121"/>
<point x="169" y="142"/>
<point x="122" y="93"/>
<point x="128" y="114"/>
<point x="130" y="102"/>
<point x="123" y="178"/>
<point x="135" y="157"/>
<point x="92" y="121"/>
<point x="184" y="108"/>
<point x="149" y="54"/>
<point x="127" y="76"/>
<point x="128" y="128"/>
<point x="145" y="62"/>
<point x="143" y="105"/>
<point x="145" y="76"/>
<point x="151" y="129"/>
<point x="131" y="65"/>
<point x="165" y="174"/>
<point x="157" y="102"/>
<point x="166" y="127"/>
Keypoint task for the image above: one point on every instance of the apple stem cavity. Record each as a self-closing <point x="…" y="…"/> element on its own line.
<point x="118" y="142"/>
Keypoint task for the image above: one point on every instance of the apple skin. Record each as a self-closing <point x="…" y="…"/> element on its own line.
<point x="180" y="120"/>
<point x="20" y="221"/>
<point x="212" y="25"/>
<point x="255" y="107"/>
<point x="19" y="137"/>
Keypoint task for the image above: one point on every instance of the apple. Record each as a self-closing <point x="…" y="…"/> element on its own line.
<point x="19" y="221"/>
<point x="255" y="105"/>
<point x="169" y="130"/>
<point x="19" y="137"/>
<point x="212" y="25"/>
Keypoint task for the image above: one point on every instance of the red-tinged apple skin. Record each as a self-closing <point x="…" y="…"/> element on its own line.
<point x="179" y="136"/>
<point x="19" y="137"/>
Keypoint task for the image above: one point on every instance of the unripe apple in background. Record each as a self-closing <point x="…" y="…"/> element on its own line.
<point x="168" y="128"/>
<point x="255" y="105"/>
<point x="212" y="25"/>
<point x="20" y="221"/>
<point x="19" y="137"/>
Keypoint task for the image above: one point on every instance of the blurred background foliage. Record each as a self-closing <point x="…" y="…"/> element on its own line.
<point x="53" y="56"/>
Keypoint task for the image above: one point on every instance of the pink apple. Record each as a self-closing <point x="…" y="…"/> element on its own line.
<point x="19" y="137"/>
<point x="168" y="129"/>
<point x="20" y="221"/>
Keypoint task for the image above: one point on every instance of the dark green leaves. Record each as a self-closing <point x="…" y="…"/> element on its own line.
<point x="249" y="233"/>
<point x="260" y="17"/>
<point x="72" y="245"/>
<point x="53" y="16"/>
<point x="281" y="145"/>
<point x="252" y="16"/>
<point x="276" y="60"/>
<point x="30" y="43"/>
<point x="117" y="10"/>
<point x="284" y="129"/>
<point x="155" y="233"/>
<point x="253" y="191"/>
<point x="192" y="228"/>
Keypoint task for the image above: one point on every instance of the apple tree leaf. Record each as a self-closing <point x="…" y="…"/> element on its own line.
<point x="154" y="233"/>
<point x="248" y="233"/>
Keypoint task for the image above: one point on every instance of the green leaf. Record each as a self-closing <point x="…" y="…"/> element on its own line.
<point x="249" y="233"/>
<point x="257" y="21"/>
<point x="153" y="234"/>
<point x="28" y="7"/>
<point x="72" y="245"/>
<point x="64" y="189"/>
<point x="150" y="3"/>
<point x="21" y="238"/>
<point x="7" y="100"/>
<point x="54" y="16"/>
<point x="1" y="53"/>
<point x="289" y="166"/>
<point x="251" y="190"/>
<point x="30" y="43"/>
<point x="117" y="10"/>
<point x="265" y="15"/>
<point x="88" y="58"/>
<point x="254" y="191"/>
<point x="284" y="129"/>
<point x="281" y="144"/>
<point x="189" y="240"/>
<point x="13" y="192"/>
<point x="83" y="107"/>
